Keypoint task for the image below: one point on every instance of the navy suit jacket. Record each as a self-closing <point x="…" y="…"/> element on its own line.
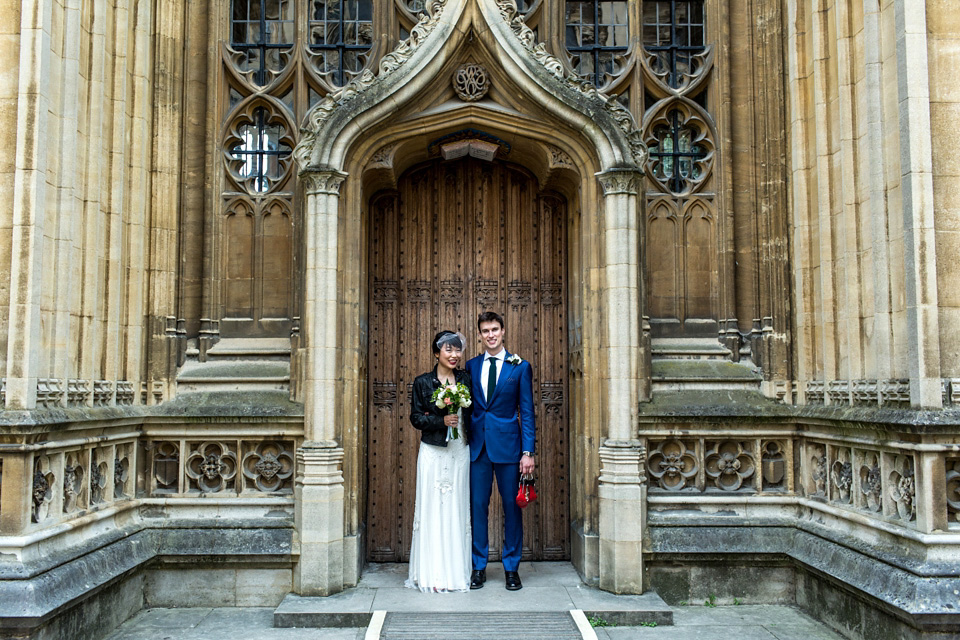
<point x="506" y="424"/>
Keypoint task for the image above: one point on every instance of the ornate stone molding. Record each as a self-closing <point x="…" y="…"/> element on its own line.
<point x="470" y="82"/>
<point x="620" y="181"/>
<point x="323" y="182"/>
<point x="584" y="89"/>
<point x="621" y="462"/>
<point x="433" y="10"/>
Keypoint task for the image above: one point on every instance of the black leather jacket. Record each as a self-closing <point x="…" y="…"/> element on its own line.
<point x="426" y="416"/>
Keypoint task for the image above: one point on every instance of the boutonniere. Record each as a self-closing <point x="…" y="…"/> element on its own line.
<point x="514" y="359"/>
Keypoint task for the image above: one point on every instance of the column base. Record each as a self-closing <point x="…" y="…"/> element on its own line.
<point x="623" y="493"/>
<point x="319" y="520"/>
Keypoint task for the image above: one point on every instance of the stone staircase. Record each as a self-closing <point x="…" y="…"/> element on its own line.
<point x="699" y="364"/>
<point x="237" y="364"/>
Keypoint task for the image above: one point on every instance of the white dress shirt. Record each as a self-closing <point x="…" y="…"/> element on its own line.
<point x="485" y="368"/>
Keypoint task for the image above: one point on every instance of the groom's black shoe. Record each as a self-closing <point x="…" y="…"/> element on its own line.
<point x="513" y="581"/>
<point x="477" y="578"/>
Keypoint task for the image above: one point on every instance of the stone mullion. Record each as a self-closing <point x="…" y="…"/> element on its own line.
<point x="165" y="204"/>
<point x="916" y="167"/>
<point x="24" y="346"/>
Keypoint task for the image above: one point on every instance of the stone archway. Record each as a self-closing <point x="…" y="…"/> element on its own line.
<point x="358" y="141"/>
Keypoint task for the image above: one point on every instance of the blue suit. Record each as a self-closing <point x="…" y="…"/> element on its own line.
<point x="500" y="431"/>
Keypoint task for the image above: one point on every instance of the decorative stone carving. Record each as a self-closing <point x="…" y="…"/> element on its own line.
<point x="841" y="473"/>
<point x="864" y="392"/>
<point x="121" y="470"/>
<point x="269" y="466"/>
<point x="672" y="463"/>
<point x="773" y="464"/>
<point x="953" y="489"/>
<point x="815" y="391"/>
<point x="98" y="480"/>
<point x="77" y="391"/>
<point x="73" y="473"/>
<point x="470" y="82"/>
<point x="325" y="182"/>
<point x="585" y="89"/>
<point x="166" y="467"/>
<point x="49" y="392"/>
<point x="895" y="391"/>
<point x="42" y="491"/>
<point x="838" y="391"/>
<point x="620" y="182"/>
<point x="902" y="487"/>
<point x="384" y="156"/>
<point x="124" y="393"/>
<point x="102" y="393"/>
<point x="429" y="19"/>
<point x="729" y="465"/>
<point x="818" y="469"/>
<point x="211" y="467"/>
<point x="871" y="482"/>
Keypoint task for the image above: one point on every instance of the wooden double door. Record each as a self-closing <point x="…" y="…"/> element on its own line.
<point x="458" y="238"/>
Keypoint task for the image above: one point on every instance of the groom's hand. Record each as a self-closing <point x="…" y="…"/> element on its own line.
<point x="526" y="465"/>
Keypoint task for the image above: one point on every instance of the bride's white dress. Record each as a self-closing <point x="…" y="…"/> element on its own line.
<point x="440" y="552"/>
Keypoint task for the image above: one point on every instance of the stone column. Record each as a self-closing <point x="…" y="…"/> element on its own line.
<point x="319" y="480"/>
<point x="622" y="491"/>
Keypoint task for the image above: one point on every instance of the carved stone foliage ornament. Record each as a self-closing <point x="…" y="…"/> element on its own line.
<point x="73" y="474"/>
<point x="673" y="464"/>
<point x="817" y="469"/>
<point x="729" y="465"/>
<point x="902" y="487"/>
<point x="470" y="82"/>
<point x="269" y="466"/>
<point x="841" y="473"/>
<point x="211" y="467"/>
<point x="42" y="494"/>
<point x="871" y="482"/>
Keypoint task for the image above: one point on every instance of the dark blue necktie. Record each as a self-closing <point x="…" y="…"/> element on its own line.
<point x="491" y="377"/>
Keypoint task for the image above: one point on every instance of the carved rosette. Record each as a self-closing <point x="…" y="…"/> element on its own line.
<point x="211" y="467"/>
<point x="729" y="465"/>
<point x="673" y="464"/>
<point x="470" y="82"/>
<point x="269" y="466"/>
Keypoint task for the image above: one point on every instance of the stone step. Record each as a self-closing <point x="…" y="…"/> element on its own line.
<point x="709" y="374"/>
<point x="250" y="349"/>
<point x="558" y="625"/>
<point x="688" y="349"/>
<point x="234" y="375"/>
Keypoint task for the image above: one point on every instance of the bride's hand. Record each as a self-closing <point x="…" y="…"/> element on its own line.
<point x="451" y="420"/>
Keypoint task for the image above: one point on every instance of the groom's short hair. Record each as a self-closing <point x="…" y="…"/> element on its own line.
<point x="489" y="316"/>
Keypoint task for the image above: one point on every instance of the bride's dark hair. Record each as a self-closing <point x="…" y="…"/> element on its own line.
<point x="455" y="341"/>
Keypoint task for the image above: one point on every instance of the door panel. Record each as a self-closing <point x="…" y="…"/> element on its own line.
<point x="458" y="238"/>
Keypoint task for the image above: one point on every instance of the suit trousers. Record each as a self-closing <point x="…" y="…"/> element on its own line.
<point x="482" y="471"/>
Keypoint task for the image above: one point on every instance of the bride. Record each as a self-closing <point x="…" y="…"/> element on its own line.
<point x="440" y="551"/>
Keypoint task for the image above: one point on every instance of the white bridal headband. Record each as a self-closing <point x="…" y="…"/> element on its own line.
<point x="455" y="340"/>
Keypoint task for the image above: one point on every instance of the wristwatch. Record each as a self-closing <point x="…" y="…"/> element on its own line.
<point x="528" y="453"/>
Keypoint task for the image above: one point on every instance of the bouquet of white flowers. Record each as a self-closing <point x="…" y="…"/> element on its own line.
<point x="454" y="397"/>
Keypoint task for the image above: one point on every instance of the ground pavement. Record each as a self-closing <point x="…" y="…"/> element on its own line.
<point x="548" y="587"/>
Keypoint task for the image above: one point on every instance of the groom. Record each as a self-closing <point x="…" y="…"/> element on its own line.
<point x="501" y="444"/>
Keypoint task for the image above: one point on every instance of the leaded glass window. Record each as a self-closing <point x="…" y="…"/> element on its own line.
<point x="597" y="37"/>
<point x="260" y="30"/>
<point x="673" y="32"/>
<point x="676" y="153"/>
<point x="342" y="31"/>
<point x="261" y="151"/>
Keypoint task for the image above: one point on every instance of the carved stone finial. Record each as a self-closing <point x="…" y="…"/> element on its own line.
<point x="470" y="82"/>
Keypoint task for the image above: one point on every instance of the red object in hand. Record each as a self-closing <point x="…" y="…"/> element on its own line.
<point x="527" y="492"/>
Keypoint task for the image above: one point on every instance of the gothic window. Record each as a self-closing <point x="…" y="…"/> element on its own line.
<point x="597" y="37"/>
<point x="261" y="149"/>
<point x="673" y="33"/>
<point x="260" y="30"/>
<point x="342" y="32"/>
<point x="677" y="152"/>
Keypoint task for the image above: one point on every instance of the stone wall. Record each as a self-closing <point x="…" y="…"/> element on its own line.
<point x="865" y="265"/>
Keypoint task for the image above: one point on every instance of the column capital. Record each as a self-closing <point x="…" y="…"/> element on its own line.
<point x="322" y="181"/>
<point x="620" y="181"/>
